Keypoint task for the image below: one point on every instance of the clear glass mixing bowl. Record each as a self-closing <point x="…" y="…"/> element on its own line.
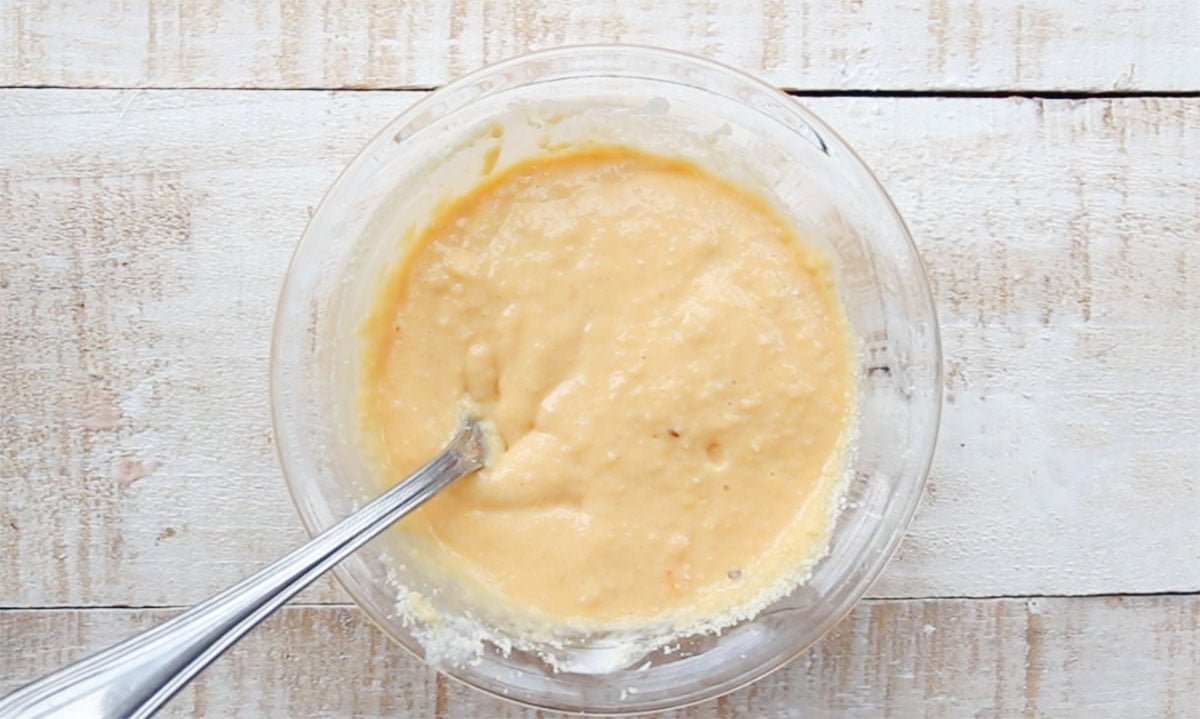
<point x="668" y="103"/>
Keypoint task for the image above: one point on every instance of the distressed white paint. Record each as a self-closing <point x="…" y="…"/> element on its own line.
<point x="1030" y="45"/>
<point x="144" y="235"/>
<point x="1094" y="657"/>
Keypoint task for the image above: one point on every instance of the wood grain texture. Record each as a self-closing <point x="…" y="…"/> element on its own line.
<point x="890" y="658"/>
<point x="1026" y="45"/>
<point x="138" y="289"/>
<point x="144" y="235"/>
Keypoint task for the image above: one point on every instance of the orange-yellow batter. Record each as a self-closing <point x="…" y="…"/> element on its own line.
<point x="669" y="368"/>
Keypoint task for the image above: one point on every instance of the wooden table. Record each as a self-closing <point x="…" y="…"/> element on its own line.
<point x="158" y="162"/>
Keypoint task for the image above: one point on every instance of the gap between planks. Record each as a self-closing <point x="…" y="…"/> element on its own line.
<point x="1000" y="94"/>
<point x="866" y="600"/>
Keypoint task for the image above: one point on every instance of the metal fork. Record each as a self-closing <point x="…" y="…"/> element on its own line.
<point x="135" y="678"/>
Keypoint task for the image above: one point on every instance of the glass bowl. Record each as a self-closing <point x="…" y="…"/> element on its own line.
<point x="667" y="103"/>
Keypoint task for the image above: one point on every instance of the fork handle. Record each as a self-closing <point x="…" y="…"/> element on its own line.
<point x="135" y="678"/>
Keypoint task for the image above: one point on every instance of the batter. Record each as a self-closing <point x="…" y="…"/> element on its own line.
<point x="669" y="368"/>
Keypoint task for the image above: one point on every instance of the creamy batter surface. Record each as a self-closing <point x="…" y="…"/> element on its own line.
<point x="667" y="363"/>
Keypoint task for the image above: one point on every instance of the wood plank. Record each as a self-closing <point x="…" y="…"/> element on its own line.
<point x="1026" y="45"/>
<point x="144" y="234"/>
<point x="138" y="290"/>
<point x="1095" y="657"/>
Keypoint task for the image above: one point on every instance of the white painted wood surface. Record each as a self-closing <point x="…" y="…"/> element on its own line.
<point x="900" y="658"/>
<point x="1098" y="45"/>
<point x="144" y="234"/>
